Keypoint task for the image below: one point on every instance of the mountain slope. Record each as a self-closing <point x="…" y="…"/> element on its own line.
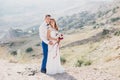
<point x="105" y="14"/>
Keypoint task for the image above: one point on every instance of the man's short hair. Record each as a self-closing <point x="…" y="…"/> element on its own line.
<point x="47" y="15"/>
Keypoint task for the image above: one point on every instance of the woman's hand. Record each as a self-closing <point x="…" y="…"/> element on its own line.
<point x="58" y="40"/>
<point x="50" y="42"/>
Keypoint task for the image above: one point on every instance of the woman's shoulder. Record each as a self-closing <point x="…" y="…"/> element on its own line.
<point x="51" y="29"/>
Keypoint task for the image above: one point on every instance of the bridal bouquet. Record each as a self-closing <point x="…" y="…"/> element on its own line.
<point x="60" y="36"/>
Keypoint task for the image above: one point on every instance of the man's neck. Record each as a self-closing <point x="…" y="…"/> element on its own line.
<point x="46" y="22"/>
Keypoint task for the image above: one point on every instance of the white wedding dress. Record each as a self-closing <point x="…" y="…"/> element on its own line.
<point x="53" y="61"/>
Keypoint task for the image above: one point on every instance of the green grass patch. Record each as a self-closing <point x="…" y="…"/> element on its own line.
<point x="63" y="60"/>
<point x="82" y="62"/>
<point x="30" y="49"/>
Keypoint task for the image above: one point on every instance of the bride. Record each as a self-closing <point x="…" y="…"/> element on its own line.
<point x="53" y="61"/>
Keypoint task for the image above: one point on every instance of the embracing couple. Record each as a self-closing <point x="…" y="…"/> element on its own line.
<point x="51" y="38"/>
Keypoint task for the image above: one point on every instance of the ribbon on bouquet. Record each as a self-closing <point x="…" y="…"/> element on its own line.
<point x="57" y="47"/>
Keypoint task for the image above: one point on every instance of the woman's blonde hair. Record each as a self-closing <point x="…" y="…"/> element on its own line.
<point x="55" y="26"/>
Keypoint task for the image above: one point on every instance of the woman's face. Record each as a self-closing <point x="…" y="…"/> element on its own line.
<point x="52" y="22"/>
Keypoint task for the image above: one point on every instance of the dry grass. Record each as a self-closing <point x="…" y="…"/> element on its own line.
<point x="72" y="54"/>
<point x="111" y="58"/>
<point x="82" y="34"/>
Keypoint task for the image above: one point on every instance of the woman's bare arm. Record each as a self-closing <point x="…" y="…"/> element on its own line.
<point x="49" y="36"/>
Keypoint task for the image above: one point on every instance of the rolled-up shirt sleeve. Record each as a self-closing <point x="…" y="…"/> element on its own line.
<point x="43" y="34"/>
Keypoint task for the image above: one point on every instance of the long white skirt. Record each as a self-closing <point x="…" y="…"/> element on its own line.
<point x="53" y="62"/>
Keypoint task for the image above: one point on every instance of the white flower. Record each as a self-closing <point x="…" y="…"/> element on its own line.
<point x="60" y="36"/>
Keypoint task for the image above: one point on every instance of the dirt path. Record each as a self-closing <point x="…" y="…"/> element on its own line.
<point x="16" y="71"/>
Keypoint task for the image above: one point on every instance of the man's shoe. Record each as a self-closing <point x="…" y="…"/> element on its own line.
<point x="43" y="71"/>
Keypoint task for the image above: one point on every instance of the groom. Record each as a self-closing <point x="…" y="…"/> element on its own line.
<point x="43" y="35"/>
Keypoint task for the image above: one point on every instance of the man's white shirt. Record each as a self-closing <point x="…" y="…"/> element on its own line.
<point x="43" y="32"/>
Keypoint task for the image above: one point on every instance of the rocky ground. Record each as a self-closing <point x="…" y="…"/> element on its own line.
<point x="17" y="71"/>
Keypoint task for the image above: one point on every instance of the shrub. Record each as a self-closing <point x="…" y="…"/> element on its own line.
<point x="63" y="60"/>
<point x="94" y="22"/>
<point x="11" y="44"/>
<point x="117" y="33"/>
<point x="114" y="10"/>
<point x="87" y="63"/>
<point x="107" y="11"/>
<point x="94" y="27"/>
<point x="117" y="7"/>
<point x="79" y="63"/>
<point x="105" y="31"/>
<point x="13" y="53"/>
<point x="102" y="24"/>
<point x="29" y="50"/>
<point x="38" y="44"/>
<point x="115" y="19"/>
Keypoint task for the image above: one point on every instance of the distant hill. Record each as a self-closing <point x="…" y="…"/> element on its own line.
<point x="11" y="34"/>
<point x="105" y="14"/>
<point x="77" y="20"/>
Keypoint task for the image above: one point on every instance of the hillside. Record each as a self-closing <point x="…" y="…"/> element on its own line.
<point x="103" y="16"/>
<point x="102" y="52"/>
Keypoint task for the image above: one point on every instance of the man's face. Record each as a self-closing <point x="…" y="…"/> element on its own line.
<point x="48" y="20"/>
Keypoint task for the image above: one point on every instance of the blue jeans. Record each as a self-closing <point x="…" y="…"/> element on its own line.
<point x="45" y="54"/>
